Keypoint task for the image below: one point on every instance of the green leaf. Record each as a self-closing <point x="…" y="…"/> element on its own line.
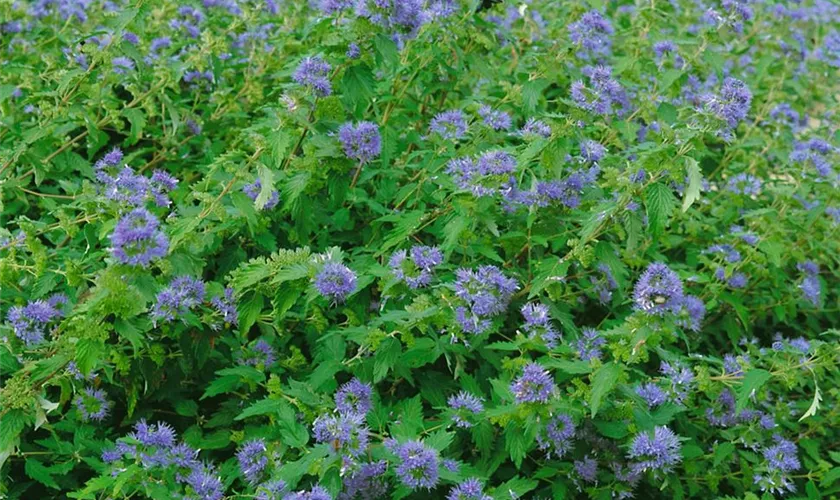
<point x="137" y="119"/>
<point x="571" y="367"/>
<point x="660" y="203"/>
<point x="829" y="477"/>
<point x="515" y="488"/>
<point x="292" y="432"/>
<point x="37" y="471"/>
<point x="695" y="180"/>
<point x="8" y="362"/>
<point x="249" y="311"/>
<point x="186" y="408"/>
<point x="262" y="407"/>
<point x="516" y="444"/>
<point x="439" y="440"/>
<point x="6" y="91"/>
<point x="815" y="404"/>
<point x="722" y="452"/>
<point x="603" y="381"/>
<point x="385" y="358"/>
<point x="358" y="84"/>
<point x="88" y="352"/>
<point x="279" y="143"/>
<point x="753" y="381"/>
<point x="266" y="177"/>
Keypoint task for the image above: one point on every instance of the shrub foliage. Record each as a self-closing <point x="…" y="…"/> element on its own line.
<point x="288" y="249"/>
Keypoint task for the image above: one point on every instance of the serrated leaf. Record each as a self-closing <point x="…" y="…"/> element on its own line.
<point x="262" y="407"/>
<point x="753" y="381"/>
<point x="266" y="177"/>
<point x="358" y="84"/>
<point x="88" y="352"/>
<point x="829" y="477"/>
<point x="439" y="440"/>
<point x="722" y="452"/>
<point x="516" y="444"/>
<point x="815" y="404"/>
<point x="385" y="358"/>
<point x="695" y="181"/>
<point x="603" y="381"/>
<point x="660" y="203"/>
<point x="137" y="119"/>
<point x="37" y="471"/>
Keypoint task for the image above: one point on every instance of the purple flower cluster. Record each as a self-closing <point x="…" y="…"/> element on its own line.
<point x="253" y="459"/>
<point x="829" y="52"/>
<point x="188" y="20"/>
<point x="662" y="48"/>
<point x="810" y="284"/>
<point x="470" y="489"/>
<point x="155" y="448"/>
<point x="253" y="191"/>
<point x="781" y="460"/>
<point x="534" y="127"/>
<point x="30" y="322"/>
<point x="417" y="271"/>
<point x="419" y="465"/>
<point x="736" y="280"/>
<point x="335" y="281"/>
<point x="316" y="493"/>
<point x="535" y="385"/>
<point x="604" y="284"/>
<point x="725" y="414"/>
<point x="538" y="324"/>
<point x="495" y="119"/>
<point x="260" y="353"/>
<point x="225" y="305"/>
<point x="137" y="239"/>
<point x="183" y="294"/>
<point x="313" y="73"/>
<point x="92" y="405"/>
<point x="592" y="151"/>
<point x="556" y="438"/>
<point x="680" y="379"/>
<point x="588" y="346"/>
<point x="361" y="142"/>
<point x="592" y="33"/>
<point x="658" y="451"/>
<point x="199" y="79"/>
<point x="659" y="290"/>
<point x="785" y="114"/>
<point x="484" y="176"/>
<point x="652" y="394"/>
<point x="465" y="407"/>
<point x="121" y="65"/>
<point x="449" y="124"/>
<point x="346" y="433"/>
<point x="731" y="105"/>
<point x="731" y="255"/>
<point x="747" y="237"/>
<point x="690" y="313"/>
<point x="486" y="293"/>
<point x="354" y="397"/>
<point x="123" y="185"/>
<point x="366" y="482"/>
<point x="603" y="95"/>
<point x="587" y="469"/>
<point x="745" y="184"/>
<point x="817" y="153"/>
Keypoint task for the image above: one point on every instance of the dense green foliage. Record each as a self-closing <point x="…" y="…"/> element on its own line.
<point x="733" y="124"/>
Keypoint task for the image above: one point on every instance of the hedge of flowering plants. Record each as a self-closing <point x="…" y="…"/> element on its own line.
<point x="456" y="249"/>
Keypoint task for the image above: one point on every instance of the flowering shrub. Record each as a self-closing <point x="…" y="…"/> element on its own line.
<point x="340" y="249"/>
